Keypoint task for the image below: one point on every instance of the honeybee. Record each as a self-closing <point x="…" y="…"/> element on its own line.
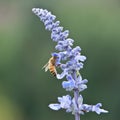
<point x="51" y="66"/>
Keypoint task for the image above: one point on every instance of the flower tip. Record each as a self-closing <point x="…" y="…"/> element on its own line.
<point x="62" y="75"/>
<point x="101" y="111"/>
<point x="33" y="9"/>
<point x="105" y="111"/>
<point x="54" y="106"/>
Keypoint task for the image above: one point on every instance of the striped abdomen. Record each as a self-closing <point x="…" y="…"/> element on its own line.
<point x="52" y="69"/>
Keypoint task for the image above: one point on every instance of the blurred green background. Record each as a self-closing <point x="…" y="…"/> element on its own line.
<point x="25" y="46"/>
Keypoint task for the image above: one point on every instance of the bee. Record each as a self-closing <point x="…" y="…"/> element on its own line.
<point x="51" y="66"/>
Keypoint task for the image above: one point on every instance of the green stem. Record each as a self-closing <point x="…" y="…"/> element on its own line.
<point x="76" y="95"/>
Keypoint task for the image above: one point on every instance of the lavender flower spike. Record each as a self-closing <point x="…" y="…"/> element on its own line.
<point x="70" y="60"/>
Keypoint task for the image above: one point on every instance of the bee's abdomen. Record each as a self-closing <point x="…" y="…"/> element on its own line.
<point x="52" y="70"/>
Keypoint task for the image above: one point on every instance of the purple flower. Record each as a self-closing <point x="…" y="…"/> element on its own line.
<point x="70" y="61"/>
<point x="70" y="84"/>
<point x="69" y="104"/>
<point x="94" y="108"/>
<point x="64" y="103"/>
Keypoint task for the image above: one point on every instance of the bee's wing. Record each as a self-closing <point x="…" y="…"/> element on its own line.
<point x="46" y="66"/>
<point x="55" y="71"/>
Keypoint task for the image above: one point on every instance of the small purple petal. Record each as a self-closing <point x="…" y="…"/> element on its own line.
<point x="68" y="85"/>
<point x="59" y="47"/>
<point x="54" y="106"/>
<point x="65" y="101"/>
<point x="69" y="77"/>
<point x="80" y="58"/>
<point x="84" y="81"/>
<point x="96" y="108"/>
<point x="80" y="100"/>
<point x="82" y="87"/>
<point x="55" y="54"/>
<point x="57" y="29"/>
<point x="63" y="74"/>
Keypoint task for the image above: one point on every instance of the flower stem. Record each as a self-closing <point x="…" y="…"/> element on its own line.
<point x="76" y="95"/>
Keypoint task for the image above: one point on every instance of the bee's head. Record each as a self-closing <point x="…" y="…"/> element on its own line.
<point x="57" y="58"/>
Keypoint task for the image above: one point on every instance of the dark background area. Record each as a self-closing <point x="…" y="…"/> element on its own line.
<point x="25" y="46"/>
